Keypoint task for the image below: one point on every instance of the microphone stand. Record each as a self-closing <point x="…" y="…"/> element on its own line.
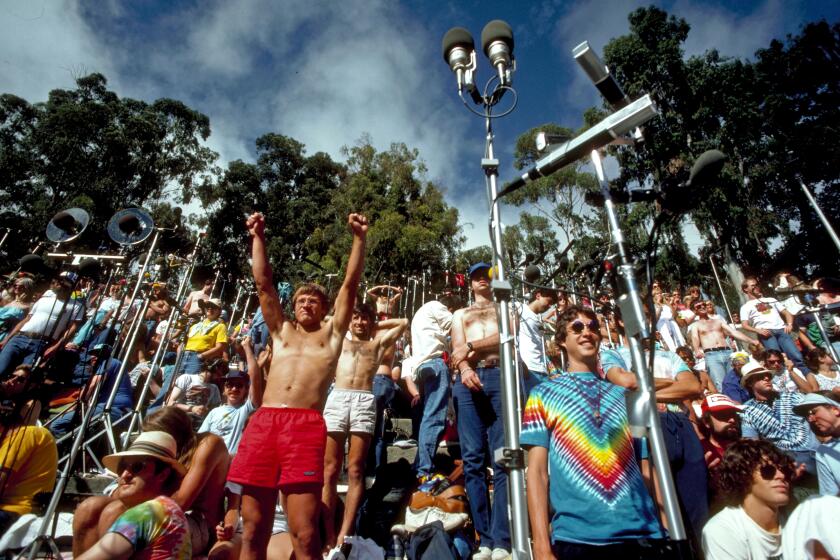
<point x="720" y="287"/>
<point x="642" y="404"/>
<point x="235" y="307"/>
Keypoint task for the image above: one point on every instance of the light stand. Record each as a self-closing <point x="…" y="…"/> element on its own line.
<point x="458" y="51"/>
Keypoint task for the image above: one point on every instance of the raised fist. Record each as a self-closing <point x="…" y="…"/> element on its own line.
<point x="358" y="224"/>
<point x="256" y="224"/>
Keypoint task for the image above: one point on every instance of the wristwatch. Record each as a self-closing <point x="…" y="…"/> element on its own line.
<point x="469" y="346"/>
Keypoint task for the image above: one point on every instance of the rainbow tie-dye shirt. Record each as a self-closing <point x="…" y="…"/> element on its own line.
<point x="157" y="530"/>
<point x="596" y="490"/>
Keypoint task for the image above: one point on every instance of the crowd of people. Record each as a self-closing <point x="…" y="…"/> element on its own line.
<point x="251" y="432"/>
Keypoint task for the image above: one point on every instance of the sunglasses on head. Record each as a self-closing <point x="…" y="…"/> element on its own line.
<point x="593" y="325"/>
<point x="134" y="467"/>
<point x="768" y="472"/>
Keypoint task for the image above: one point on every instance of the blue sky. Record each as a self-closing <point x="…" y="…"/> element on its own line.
<point x="327" y="72"/>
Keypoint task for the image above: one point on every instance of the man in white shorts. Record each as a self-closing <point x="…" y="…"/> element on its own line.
<point x="351" y="409"/>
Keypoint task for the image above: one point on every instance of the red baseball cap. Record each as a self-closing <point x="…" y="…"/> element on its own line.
<point x="717" y="402"/>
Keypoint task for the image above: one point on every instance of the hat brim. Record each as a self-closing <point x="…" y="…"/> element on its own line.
<point x="204" y="304"/>
<point x="112" y="462"/>
<point x="750" y="375"/>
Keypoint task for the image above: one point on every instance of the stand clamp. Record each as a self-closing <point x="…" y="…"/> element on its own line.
<point x="510" y="458"/>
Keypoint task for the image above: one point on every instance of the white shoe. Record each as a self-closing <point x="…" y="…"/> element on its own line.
<point x="500" y="554"/>
<point x="416" y="518"/>
<point x="483" y="553"/>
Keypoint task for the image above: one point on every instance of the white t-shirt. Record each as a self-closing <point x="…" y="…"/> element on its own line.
<point x="45" y="320"/>
<point x="530" y="343"/>
<point x="763" y="313"/>
<point x="196" y="392"/>
<point x="228" y="422"/>
<point x="733" y="535"/>
<point x="430" y="331"/>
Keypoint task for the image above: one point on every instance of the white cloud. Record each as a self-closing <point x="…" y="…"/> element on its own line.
<point x="715" y="27"/>
<point x="46" y="45"/>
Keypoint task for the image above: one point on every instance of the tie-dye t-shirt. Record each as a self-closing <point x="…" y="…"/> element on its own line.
<point x="157" y="530"/>
<point x="596" y="489"/>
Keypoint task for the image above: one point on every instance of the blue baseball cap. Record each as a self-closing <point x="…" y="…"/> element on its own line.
<point x="478" y="266"/>
<point x="810" y="401"/>
<point x="236" y="374"/>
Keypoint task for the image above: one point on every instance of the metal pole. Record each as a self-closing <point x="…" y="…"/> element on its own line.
<point x="235" y="308"/>
<point x="829" y="347"/>
<point x="635" y="328"/>
<point x="215" y="281"/>
<point x="720" y="287"/>
<point x="512" y="456"/>
<point x="826" y="224"/>
<point x="5" y="236"/>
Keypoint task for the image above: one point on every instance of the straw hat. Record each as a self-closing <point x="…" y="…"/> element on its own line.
<point x="159" y="445"/>
<point x="752" y="369"/>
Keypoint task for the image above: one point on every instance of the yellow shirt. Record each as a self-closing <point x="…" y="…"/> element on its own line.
<point x="30" y="457"/>
<point x="205" y="335"/>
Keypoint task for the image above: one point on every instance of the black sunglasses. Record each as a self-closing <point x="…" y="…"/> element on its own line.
<point x="768" y="472"/>
<point x="232" y="384"/>
<point x="593" y="325"/>
<point x="134" y="467"/>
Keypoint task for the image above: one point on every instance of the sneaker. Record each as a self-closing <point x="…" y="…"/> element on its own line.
<point x="483" y="553"/>
<point x="500" y="554"/>
<point x="416" y="518"/>
<point x="406" y="443"/>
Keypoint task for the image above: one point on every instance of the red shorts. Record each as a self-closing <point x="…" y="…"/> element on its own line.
<point x="282" y="448"/>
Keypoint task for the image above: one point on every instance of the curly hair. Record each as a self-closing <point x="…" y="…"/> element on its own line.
<point x="567" y="316"/>
<point x="734" y="476"/>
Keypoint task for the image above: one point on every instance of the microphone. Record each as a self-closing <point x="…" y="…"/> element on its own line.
<point x="532" y="273"/>
<point x="591" y="64"/>
<point x="497" y="44"/>
<point x="615" y="125"/>
<point x="683" y="196"/>
<point x="796" y="291"/>
<point x="459" y="53"/>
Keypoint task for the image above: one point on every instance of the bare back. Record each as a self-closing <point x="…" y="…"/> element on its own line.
<point x="302" y="366"/>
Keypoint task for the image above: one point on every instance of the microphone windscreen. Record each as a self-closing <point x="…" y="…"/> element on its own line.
<point x="90" y="268"/>
<point x="31" y="263"/>
<point x="457" y="37"/>
<point x="496" y="30"/>
<point x="706" y="168"/>
<point x="532" y="273"/>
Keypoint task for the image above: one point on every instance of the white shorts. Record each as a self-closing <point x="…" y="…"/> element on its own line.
<point x="350" y="410"/>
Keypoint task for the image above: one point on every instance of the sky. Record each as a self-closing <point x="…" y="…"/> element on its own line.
<point x="328" y="72"/>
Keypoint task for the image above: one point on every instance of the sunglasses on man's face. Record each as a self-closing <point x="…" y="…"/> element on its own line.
<point x="234" y="385"/>
<point x="774" y="361"/>
<point x="768" y="472"/>
<point x="134" y="467"/>
<point x="593" y="325"/>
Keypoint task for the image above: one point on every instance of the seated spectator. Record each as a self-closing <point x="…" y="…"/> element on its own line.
<point x="197" y="393"/>
<point x="104" y="370"/>
<point x="769" y="416"/>
<point x="824" y="369"/>
<point x="200" y="493"/>
<point x="755" y="479"/>
<point x="698" y="368"/>
<point x="732" y="387"/>
<point x="28" y="463"/>
<point x="822" y="411"/>
<point x="787" y="378"/>
<point x="15" y="310"/>
<point x="575" y="427"/>
<point x="243" y="395"/>
<point x="23" y="388"/>
<point x="721" y="426"/>
<point x="153" y="525"/>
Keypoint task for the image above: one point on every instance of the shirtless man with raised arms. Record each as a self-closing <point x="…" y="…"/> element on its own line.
<point x="283" y="446"/>
<point x="708" y="338"/>
<point x="351" y="409"/>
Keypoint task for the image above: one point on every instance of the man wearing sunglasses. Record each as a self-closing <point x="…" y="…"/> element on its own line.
<point x="822" y="411"/>
<point x="769" y="416"/>
<point x="575" y="427"/>
<point x="708" y="339"/>
<point x="477" y="396"/>
<point x="243" y="395"/>
<point x="153" y="524"/>
<point x="755" y="480"/>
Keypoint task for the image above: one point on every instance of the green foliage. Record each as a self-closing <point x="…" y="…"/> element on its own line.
<point x="88" y="147"/>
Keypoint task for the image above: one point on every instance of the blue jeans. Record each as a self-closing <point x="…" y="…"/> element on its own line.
<point x="64" y="422"/>
<point x="688" y="467"/>
<point x="782" y="341"/>
<point x="383" y="393"/>
<point x="433" y="382"/>
<point x="531" y="379"/>
<point x="19" y="350"/>
<point x="190" y="363"/>
<point x="168" y="378"/>
<point x="717" y="364"/>
<point x="481" y="432"/>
